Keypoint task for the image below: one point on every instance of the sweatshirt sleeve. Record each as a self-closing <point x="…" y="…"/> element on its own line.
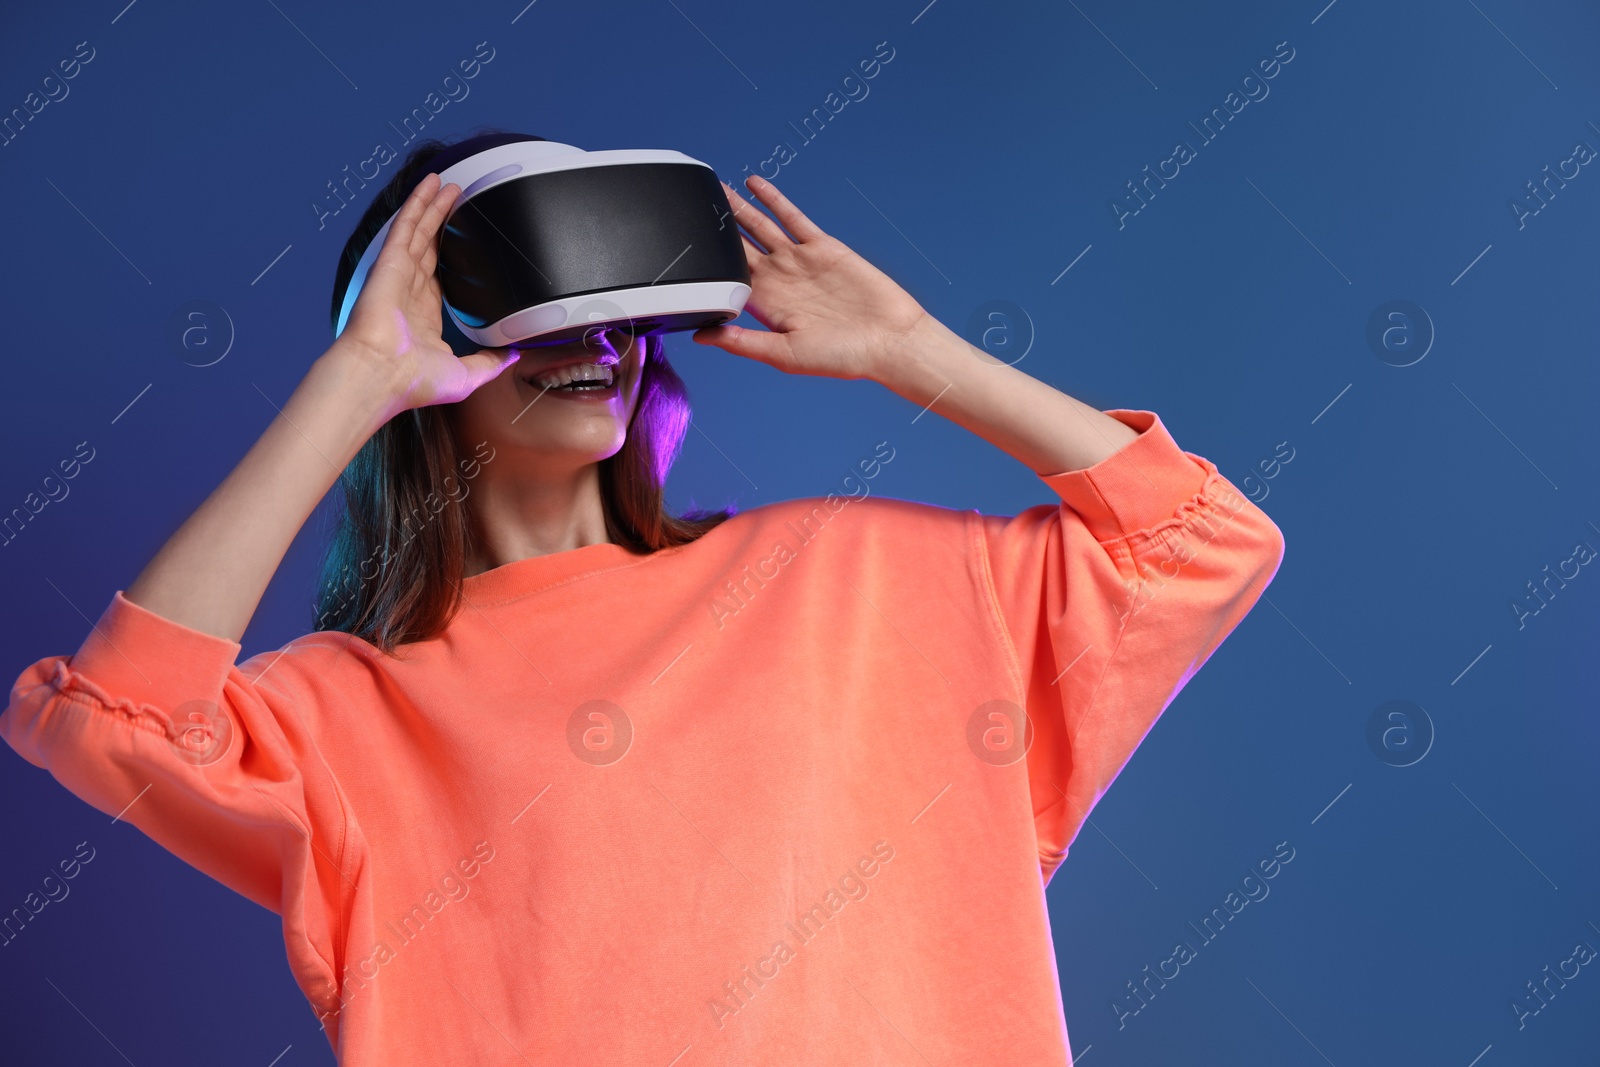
<point x="1111" y="601"/>
<point x="153" y="723"/>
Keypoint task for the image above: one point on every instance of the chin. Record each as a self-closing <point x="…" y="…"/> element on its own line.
<point x="585" y="444"/>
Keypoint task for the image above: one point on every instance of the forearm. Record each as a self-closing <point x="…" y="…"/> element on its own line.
<point x="1039" y="425"/>
<point x="210" y="575"/>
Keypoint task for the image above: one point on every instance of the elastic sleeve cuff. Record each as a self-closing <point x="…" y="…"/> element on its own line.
<point x="1137" y="487"/>
<point x="150" y="659"/>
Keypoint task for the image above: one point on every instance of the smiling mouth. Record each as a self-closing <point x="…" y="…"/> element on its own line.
<point x="576" y="378"/>
<point x="588" y="368"/>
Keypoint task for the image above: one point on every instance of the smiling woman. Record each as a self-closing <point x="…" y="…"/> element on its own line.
<point x="625" y="437"/>
<point x="669" y="796"/>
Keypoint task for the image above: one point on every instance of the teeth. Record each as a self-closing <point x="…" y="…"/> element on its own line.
<point x="577" y="372"/>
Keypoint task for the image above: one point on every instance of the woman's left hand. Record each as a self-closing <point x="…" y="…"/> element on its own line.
<point x="827" y="310"/>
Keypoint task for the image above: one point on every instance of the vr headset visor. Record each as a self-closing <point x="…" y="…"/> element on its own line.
<point x="548" y="242"/>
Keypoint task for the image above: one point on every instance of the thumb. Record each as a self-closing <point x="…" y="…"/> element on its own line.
<point x="486" y="364"/>
<point x="762" y="345"/>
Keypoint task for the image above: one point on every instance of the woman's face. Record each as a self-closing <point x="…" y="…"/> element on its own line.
<point x="553" y="428"/>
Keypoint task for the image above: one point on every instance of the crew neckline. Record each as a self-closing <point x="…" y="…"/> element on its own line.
<point x="532" y="573"/>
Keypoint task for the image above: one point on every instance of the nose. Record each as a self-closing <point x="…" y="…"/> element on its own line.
<point x="617" y="338"/>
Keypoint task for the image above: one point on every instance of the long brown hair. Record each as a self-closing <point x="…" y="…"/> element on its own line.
<point x="392" y="571"/>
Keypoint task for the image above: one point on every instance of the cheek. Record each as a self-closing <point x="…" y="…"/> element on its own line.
<point x="635" y="383"/>
<point x="479" y="416"/>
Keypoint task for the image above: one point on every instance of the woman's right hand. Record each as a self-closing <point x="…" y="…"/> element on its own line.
<point x="396" y="321"/>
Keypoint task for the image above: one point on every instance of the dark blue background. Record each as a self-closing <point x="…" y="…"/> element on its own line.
<point x="1416" y="507"/>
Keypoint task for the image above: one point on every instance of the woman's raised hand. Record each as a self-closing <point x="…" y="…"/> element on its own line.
<point x="396" y="321"/>
<point x="827" y="310"/>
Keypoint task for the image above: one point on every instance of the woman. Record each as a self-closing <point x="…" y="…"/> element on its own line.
<point x="567" y="779"/>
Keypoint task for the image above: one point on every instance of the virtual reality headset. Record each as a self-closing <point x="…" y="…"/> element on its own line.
<point x="548" y="243"/>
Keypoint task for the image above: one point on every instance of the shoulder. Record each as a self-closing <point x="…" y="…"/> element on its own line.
<point x="863" y="516"/>
<point x="316" y="672"/>
<point x="853" y="528"/>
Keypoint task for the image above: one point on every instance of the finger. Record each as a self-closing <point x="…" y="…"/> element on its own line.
<point x="487" y="364"/>
<point x="761" y="345"/>
<point x="430" y="258"/>
<point x="751" y="253"/>
<point x="741" y="210"/>
<point x="405" y="219"/>
<point x="763" y="229"/>
<point x="420" y="236"/>
<point x="424" y="237"/>
<point x="477" y="370"/>
<point x="451" y="196"/>
<point x="792" y="217"/>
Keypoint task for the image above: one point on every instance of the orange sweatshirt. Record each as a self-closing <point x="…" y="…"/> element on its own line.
<point x="765" y="798"/>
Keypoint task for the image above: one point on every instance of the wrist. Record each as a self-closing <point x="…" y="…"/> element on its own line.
<point x="364" y="383"/>
<point x="924" y="361"/>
